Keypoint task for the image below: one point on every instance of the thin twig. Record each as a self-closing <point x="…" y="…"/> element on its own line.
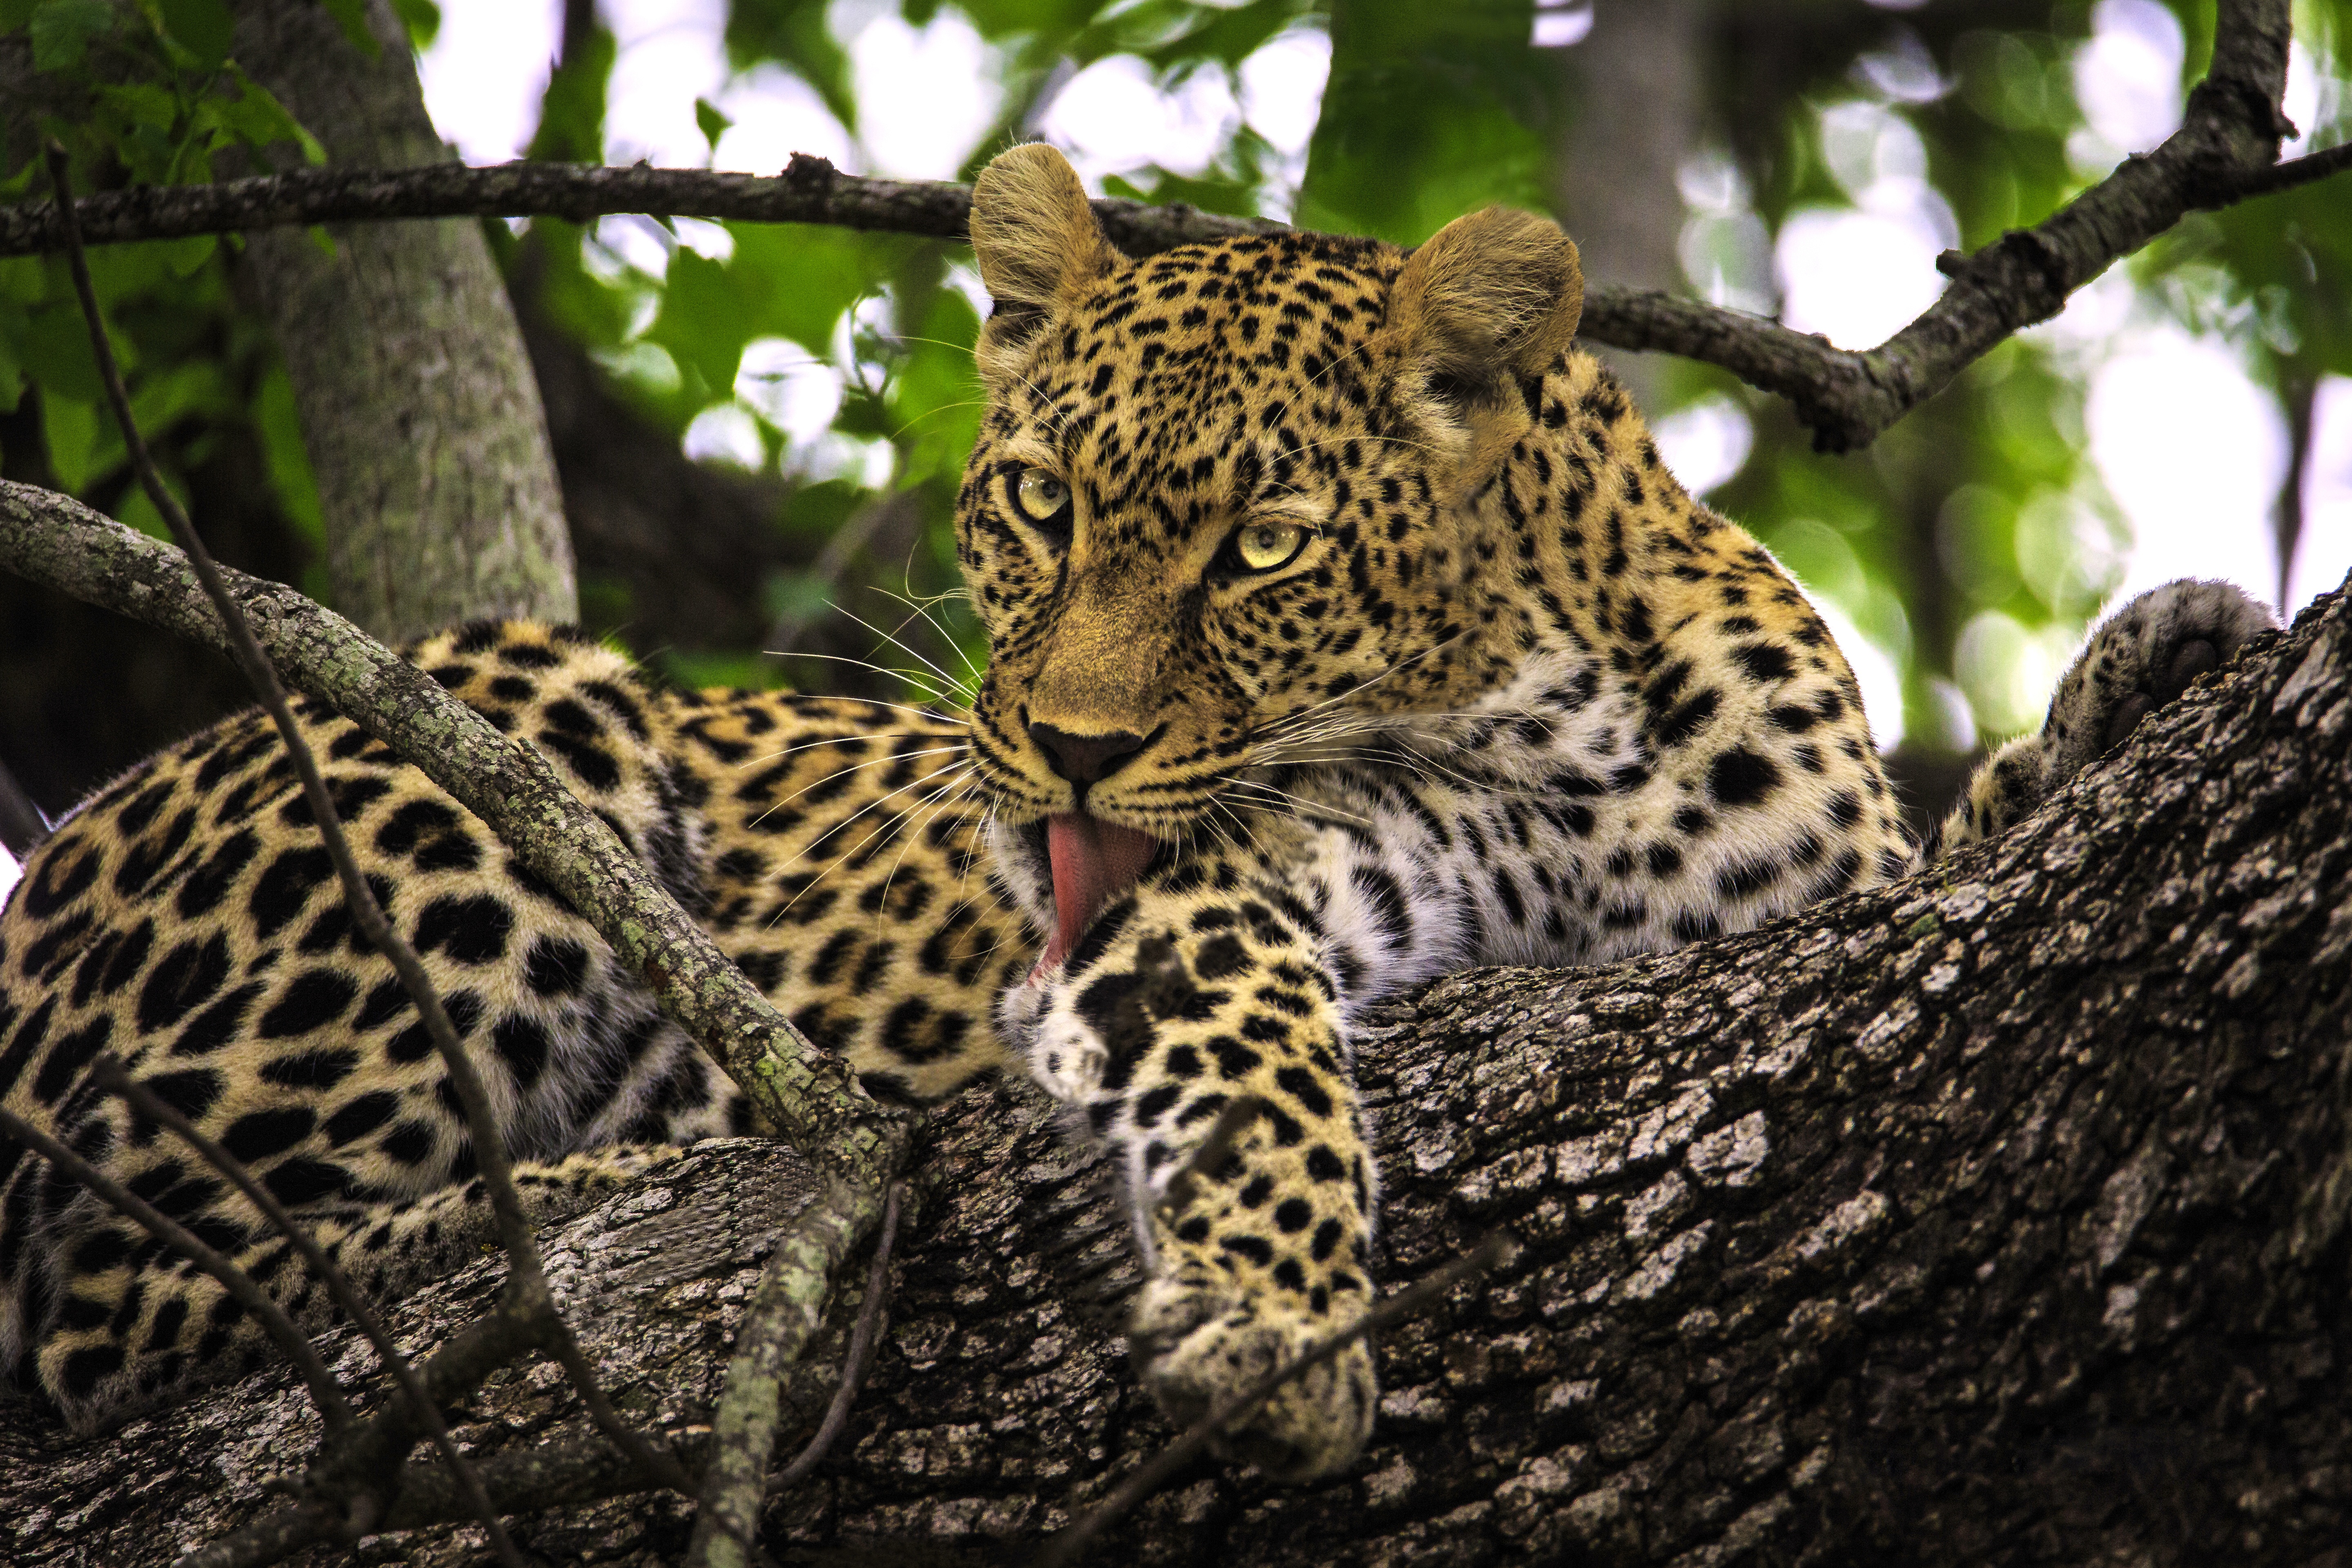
<point x="333" y="1410"/>
<point x="1230" y="1122"/>
<point x="1066" y="1547"/>
<point x="369" y="1459"/>
<point x="806" y="1097"/>
<point x="269" y="1539"/>
<point x="526" y="1279"/>
<point x="786" y="1311"/>
<point x="872" y="1314"/>
<point x="108" y="1074"/>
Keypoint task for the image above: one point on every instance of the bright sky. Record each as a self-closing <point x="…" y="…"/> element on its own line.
<point x="2191" y="448"/>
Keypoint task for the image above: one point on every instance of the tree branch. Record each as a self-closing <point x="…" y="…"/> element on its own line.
<point x="809" y="1098"/>
<point x="2222" y="153"/>
<point x="1999" y="1215"/>
<point x="785" y="1315"/>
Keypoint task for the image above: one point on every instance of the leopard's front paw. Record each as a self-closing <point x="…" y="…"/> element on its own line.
<point x="1198" y="1346"/>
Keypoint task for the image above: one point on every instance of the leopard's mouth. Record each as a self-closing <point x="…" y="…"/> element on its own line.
<point x="1091" y="862"/>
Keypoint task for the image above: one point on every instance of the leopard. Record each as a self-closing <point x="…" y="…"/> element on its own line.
<point x="1346" y="629"/>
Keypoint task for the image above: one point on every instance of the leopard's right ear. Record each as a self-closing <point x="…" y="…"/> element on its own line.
<point x="1037" y="239"/>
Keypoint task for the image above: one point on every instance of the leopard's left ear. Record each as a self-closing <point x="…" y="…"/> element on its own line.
<point x="1488" y="303"/>
<point x="1036" y="237"/>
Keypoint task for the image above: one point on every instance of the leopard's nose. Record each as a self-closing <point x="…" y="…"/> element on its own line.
<point x="1085" y="758"/>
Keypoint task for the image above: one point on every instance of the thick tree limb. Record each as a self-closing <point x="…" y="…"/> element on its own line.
<point x="2224" y="151"/>
<point x="2003" y="1214"/>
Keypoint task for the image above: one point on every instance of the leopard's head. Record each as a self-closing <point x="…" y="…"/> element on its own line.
<point x="1228" y="493"/>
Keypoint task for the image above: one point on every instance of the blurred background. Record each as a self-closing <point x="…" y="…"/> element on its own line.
<point x="759" y="429"/>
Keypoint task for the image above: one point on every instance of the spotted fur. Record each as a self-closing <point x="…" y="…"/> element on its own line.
<point x="1515" y="697"/>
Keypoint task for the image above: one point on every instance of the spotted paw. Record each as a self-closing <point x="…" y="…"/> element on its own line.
<point x="2144" y="655"/>
<point x="1065" y="1055"/>
<point x="1199" y="1347"/>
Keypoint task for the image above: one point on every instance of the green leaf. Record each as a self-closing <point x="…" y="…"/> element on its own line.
<point x="351" y="17"/>
<point x="255" y="118"/>
<point x="571" y="111"/>
<point x="1475" y="135"/>
<point x="423" y="20"/>
<point x="203" y="28"/>
<point x="69" y="429"/>
<point x="794" y="33"/>
<point x="62" y="31"/>
<point x="135" y="510"/>
<point x="704" y="321"/>
<point x="11" y="369"/>
<point x="14" y="14"/>
<point x="713" y="123"/>
<point x="278" y="424"/>
<point x="56" y="346"/>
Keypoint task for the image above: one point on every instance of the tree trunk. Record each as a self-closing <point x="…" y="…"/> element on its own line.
<point x="418" y="404"/>
<point x="1636" y="89"/>
<point x="2004" y="1215"/>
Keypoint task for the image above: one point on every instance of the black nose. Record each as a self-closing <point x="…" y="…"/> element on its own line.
<point x="1085" y="758"/>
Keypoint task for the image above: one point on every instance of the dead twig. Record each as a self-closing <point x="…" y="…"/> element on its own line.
<point x="2222" y="154"/>
<point x="786" y="1311"/>
<point x="526" y="1280"/>
<point x="108" y="1074"/>
<point x="872" y="1314"/>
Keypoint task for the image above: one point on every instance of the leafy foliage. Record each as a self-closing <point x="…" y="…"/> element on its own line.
<point x="145" y="94"/>
<point x="1974" y="536"/>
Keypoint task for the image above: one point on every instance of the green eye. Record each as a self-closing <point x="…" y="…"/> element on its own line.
<point x="1040" y="495"/>
<point x="1262" y="546"/>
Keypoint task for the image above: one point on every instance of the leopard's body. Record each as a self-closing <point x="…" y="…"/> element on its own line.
<point x="1483" y="684"/>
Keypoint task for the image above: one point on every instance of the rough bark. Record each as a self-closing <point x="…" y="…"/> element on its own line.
<point x="2004" y="1214"/>
<point x="1638" y="90"/>
<point x="416" y="398"/>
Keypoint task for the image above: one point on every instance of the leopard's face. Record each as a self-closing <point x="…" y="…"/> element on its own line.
<point x="1211" y="508"/>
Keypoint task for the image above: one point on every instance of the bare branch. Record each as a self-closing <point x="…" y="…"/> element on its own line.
<point x="363" y="1462"/>
<point x="785" y="1313"/>
<point x="367" y="915"/>
<point x="2286" y="176"/>
<point x="873" y="1313"/>
<point x="809" y="1098"/>
<point x="809" y="191"/>
<point x="333" y="1409"/>
<point x="526" y="1286"/>
<point x="2222" y="153"/>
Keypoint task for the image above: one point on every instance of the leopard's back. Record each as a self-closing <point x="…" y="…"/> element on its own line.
<point x="187" y="920"/>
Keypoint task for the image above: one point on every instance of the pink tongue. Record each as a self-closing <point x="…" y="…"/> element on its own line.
<point x="1094" y="862"/>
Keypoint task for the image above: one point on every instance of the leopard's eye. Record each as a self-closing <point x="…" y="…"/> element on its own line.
<point x="1041" y="497"/>
<point x="1263" y="546"/>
